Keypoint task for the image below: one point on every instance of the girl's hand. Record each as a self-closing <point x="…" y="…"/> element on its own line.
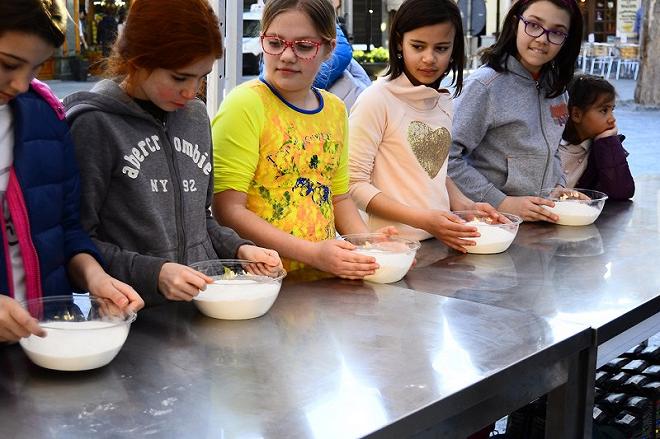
<point x="178" y="282"/>
<point x="529" y="208"/>
<point x="488" y="210"/>
<point x="267" y="262"/>
<point x="608" y="133"/>
<point x="119" y="293"/>
<point x="450" y="229"/>
<point x="335" y="256"/>
<point x="388" y="230"/>
<point x="16" y="322"/>
<point x="259" y="254"/>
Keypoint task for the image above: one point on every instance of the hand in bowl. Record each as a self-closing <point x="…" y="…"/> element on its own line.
<point x="486" y="209"/>
<point x="450" y="229"/>
<point x="388" y="230"/>
<point x="178" y="282"/>
<point x="16" y="322"/>
<point x="108" y="310"/>
<point x="562" y="194"/>
<point x="267" y="262"/>
<point x="336" y="256"/>
<point x="529" y="208"/>
<point x="119" y="293"/>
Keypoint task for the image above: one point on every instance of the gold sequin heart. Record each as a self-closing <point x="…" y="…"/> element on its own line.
<point x="431" y="147"/>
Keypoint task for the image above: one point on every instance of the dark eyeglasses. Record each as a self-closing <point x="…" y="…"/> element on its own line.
<point x="303" y="49"/>
<point x="533" y="29"/>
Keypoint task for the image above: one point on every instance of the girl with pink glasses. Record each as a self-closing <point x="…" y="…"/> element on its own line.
<point x="280" y="151"/>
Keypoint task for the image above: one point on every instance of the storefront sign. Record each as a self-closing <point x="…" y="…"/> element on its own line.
<point x="625" y="18"/>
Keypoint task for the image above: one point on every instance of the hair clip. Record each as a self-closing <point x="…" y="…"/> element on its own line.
<point x="54" y="27"/>
<point x="45" y="10"/>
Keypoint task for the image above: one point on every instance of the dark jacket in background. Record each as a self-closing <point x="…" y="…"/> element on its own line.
<point x="607" y="169"/>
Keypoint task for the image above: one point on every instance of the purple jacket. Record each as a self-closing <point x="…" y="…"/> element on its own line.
<point x="607" y="169"/>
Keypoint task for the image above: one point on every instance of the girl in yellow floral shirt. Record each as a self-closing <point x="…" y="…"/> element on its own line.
<point x="280" y="149"/>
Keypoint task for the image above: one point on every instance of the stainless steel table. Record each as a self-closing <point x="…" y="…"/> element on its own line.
<point x="606" y="275"/>
<point x="332" y="359"/>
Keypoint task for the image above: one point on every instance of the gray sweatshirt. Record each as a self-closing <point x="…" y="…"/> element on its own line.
<point x="146" y="186"/>
<point x="506" y="135"/>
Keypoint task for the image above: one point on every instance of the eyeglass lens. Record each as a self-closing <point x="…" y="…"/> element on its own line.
<point x="535" y="30"/>
<point x="277" y="46"/>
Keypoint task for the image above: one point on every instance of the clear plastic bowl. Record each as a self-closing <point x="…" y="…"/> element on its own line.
<point x="83" y="332"/>
<point x="394" y="254"/>
<point x="495" y="237"/>
<point x="239" y="290"/>
<point x="574" y="206"/>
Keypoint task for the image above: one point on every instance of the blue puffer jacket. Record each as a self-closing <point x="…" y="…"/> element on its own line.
<point x="47" y="172"/>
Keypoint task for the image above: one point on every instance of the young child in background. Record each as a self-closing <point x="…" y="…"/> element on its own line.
<point x="281" y="176"/>
<point x="144" y="142"/>
<point x="44" y="249"/>
<point x="510" y="117"/>
<point x="341" y="75"/>
<point x="331" y="70"/>
<point x="399" y="130"/>
<point x="591" y="152"/>
<point x="348" y="79"/>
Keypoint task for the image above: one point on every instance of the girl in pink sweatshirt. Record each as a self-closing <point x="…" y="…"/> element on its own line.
<point x="399" y="130"/>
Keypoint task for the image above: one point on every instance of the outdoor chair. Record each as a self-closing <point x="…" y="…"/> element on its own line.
<point x="628" y="61"/>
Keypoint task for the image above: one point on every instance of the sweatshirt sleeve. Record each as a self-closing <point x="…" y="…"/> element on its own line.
<point x="97" y="162"/>
<point x="76" y="240"/>
<point x="558" y="169"/>
<point x="225" y="240"/>
<point x="366" y="126"/>
<point x="470" y="125"/>
<point x="610" y="168"/>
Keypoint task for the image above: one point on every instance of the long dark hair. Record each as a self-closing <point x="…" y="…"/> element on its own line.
<point x="414" y="14"/>
<point x="557" y="73"/>
<point x="583" y="92"/>
<point x="43" y="18"/>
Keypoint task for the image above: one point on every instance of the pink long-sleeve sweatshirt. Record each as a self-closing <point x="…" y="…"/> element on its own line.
<point x="399" y="140"/>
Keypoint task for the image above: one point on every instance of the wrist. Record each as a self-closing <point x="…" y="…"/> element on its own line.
<point x="93" y="278"/>
<point x="305" y="251"/>
<point x="504" y="203"/>
<point x="240" y="251"/>
<point x="462" y="204"/>
<point x="421" y="219"/>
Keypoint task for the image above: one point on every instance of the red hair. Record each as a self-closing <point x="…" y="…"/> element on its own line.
<point x="167" y="34"/>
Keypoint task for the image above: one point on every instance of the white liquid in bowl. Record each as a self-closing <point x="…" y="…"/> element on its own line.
<point x="76" y="345"/>
<point x="237" y="299"/>
<point x="574" y="213"/>
<point x="393" y="266"/>
<point x="493" y="239"/>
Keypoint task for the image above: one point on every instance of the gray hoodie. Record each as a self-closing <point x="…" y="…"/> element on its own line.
<point x="506" y="135"/>
<point x="146" y="186"/>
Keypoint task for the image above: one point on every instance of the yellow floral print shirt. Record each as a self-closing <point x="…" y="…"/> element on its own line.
<point x="290" y="162"/>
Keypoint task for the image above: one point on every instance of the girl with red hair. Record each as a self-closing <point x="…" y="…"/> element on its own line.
<point x="143" y="141"/>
